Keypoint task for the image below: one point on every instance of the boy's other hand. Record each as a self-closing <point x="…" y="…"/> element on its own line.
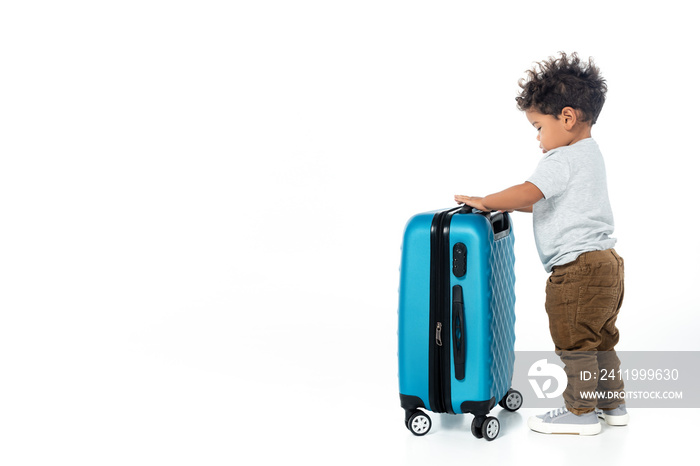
<point x="471" y="201"/>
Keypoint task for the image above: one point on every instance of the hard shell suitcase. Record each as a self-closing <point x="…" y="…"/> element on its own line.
<point x="456" y="318"/>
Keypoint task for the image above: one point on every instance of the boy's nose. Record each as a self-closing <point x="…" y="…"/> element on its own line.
<point x="538" y="137"/>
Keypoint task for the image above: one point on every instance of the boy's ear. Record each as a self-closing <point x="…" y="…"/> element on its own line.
<point x="568" y="117"/>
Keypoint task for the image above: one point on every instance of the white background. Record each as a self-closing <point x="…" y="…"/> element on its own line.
<point x="202" y="204"/>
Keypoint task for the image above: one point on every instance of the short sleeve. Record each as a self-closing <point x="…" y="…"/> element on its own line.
<point x="552" y="174"/>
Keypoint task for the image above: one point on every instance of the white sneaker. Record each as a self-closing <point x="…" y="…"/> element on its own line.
<point x="614" y="417"/>
<point x="562" y="421"/>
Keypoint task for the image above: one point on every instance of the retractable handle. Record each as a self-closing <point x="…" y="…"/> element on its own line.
<point x="500" y="221"/>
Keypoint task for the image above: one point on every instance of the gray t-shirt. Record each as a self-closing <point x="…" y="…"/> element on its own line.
<point x="575" y="215"/>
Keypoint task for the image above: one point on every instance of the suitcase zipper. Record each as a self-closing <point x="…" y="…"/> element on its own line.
<point x="435" y="366"/>
<point x="440" y="303"/>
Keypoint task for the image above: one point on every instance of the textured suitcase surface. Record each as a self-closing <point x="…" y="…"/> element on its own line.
<point x="456" y="315"/>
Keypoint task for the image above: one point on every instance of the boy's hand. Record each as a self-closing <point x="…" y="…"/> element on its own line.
<point x="472" y="201"/>
<point x="520" y="197"/>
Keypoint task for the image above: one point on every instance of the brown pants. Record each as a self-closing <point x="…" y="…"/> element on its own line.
<point x="583" y="301"/>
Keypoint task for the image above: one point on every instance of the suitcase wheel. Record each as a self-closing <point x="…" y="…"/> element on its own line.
<point x="477" y="422"/>
<point x="490" y="428"/>
<point x="485" y="427"/>
<point x="419" y="423"/>
<point x="512" y="401"/>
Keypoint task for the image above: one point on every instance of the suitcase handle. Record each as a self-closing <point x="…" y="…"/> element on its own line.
<point x="500" y="222"/>
<point x="459" y="335"/>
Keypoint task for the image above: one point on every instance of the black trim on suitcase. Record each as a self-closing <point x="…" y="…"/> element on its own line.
<point x="410" y="404"/>
<point x="440" y="311"/>
<point x="478" y="408"/>
<point x="435" y="385"/>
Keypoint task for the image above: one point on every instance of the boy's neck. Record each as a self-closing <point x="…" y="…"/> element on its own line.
<point x="580" y="132"/>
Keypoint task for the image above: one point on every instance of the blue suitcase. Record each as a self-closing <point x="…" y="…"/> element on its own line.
<point x="456" y="318"/>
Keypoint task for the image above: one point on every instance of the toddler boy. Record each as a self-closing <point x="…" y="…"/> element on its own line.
<point x="567" y="194"/>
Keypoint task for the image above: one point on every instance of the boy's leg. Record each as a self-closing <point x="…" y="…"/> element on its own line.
<point x="610" y="381"/>
<point x="610" y="384"/>
<point x="561" y="303"/>
<point x="583" y="297"/>
<point x="581" y="368"/>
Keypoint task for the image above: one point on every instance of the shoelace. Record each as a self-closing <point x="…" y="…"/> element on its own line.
<point x="558" y="412"/>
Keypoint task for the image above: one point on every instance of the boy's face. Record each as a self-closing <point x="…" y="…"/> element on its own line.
<point x="551" y="132"/>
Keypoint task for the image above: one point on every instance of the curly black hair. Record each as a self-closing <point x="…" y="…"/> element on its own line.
<point x="564" y="81"/>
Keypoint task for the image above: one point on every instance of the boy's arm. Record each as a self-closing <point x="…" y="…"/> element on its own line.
<point x="520" y="197"/>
